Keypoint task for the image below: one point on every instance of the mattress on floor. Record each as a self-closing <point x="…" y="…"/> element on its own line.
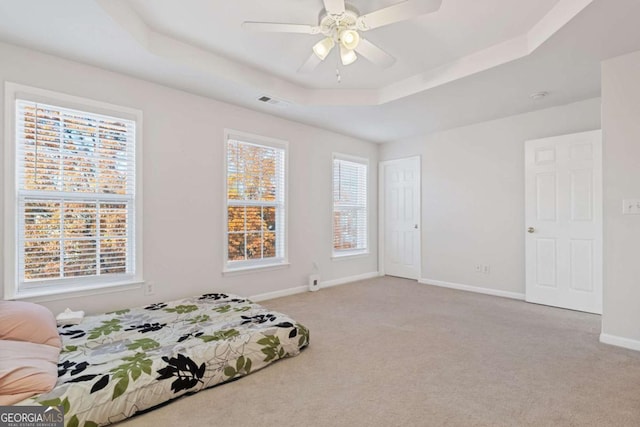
<point x="116" y="364"/>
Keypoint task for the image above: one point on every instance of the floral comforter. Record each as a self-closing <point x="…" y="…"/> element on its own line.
<point x="116" y="364"/>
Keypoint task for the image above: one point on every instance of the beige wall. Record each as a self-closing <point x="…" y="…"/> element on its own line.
<point x="621" y="157"/>
<point x="473" y="193"/>
<point x="183" y="183"/>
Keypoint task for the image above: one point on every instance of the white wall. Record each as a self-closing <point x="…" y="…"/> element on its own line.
<point x="183" y="183"/>
<point x="473" y="193"/>
<point x="621" y="164"/>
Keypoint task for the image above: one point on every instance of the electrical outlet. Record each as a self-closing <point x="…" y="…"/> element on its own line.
<point x="478" y="268"/>
<point x="486" y="269"/>
<point x="149" y="289"/>
<point x="631" y="207"/>
<point x="314" y="282"/>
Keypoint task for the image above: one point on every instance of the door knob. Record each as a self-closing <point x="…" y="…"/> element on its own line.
<point x="530" y="230"/>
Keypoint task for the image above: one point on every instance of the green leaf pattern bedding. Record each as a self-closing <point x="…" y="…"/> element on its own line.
<point x="116" y="364"/>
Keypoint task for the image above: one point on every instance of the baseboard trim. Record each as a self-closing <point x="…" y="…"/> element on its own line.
<point x="476" y="289"/>
<point x="348" y="279"/>
<point x="279" y="294"/>
<point x="300" y="289"/>
<point x="620" y="342"/>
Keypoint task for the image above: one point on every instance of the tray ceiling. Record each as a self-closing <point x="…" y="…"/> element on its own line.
<point x="458" y="29"/>
<point x="461" y="65"/>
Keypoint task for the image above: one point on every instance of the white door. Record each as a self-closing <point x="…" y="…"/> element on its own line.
<point x="400" y="217"/>
<point x="563" y="214"/>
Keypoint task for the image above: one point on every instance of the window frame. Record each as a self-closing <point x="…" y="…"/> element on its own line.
<point x="351" y="253"/>
<point x="238" y="267"/>
<point x="73" y="285"/>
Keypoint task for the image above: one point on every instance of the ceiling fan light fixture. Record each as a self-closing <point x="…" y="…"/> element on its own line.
<point x="349" y="39"/>
<point x="323" y="47"/>
<point x="347" y="56"/>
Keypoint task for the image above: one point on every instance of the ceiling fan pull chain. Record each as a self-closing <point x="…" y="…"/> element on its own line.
<point x="338" y="76"/>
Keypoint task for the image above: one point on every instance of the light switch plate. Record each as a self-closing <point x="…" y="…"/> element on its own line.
<point x="631" y="207"/>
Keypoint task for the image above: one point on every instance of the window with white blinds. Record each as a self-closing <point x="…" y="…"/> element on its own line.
<point x="349" y="205"/>
<point x="75" y="178"/>
<point x="256" y="204"/>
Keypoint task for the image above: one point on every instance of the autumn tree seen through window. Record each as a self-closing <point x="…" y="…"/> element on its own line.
<point x="75" y="191"/>
<point x="255" y="202"/>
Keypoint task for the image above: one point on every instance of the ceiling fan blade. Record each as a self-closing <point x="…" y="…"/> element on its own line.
<point x="334" y="7"/>
<point x="274" y="27"/>
<point x="374" y="54"/>
<point x="396" y="13"/>
<point x="310" y="64"/>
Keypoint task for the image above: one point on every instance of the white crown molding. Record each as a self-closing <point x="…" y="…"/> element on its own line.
<point x="554" y="20"/>
<point x="192" y="56"/>
<point x="476" y="62"/>
<point x="196" y="58"/>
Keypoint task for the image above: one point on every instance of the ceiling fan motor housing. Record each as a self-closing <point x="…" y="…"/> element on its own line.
<point x="333" y="25"/>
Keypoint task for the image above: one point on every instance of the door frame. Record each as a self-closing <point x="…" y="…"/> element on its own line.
<point x="381" y="206"/>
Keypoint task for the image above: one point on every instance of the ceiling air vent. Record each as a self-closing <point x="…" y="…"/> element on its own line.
<point x="265" y="99"/>
<point x="269" y="100"/>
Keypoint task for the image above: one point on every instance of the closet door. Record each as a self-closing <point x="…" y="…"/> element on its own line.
<point x="563" y="220"/>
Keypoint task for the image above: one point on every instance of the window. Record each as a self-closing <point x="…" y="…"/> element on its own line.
<point x="75" y="196"/>
<point x="256" y="209"/>
<point x="349" y="205"/>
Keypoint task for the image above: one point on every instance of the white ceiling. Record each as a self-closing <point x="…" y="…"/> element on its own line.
<point x="459" y="28"/>
<point x="471" y="61"/>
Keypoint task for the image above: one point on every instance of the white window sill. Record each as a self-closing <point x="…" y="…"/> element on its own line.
<point x="42" y="295"/>
<point x="254" y="268"/>
<point x="350" y="255"/>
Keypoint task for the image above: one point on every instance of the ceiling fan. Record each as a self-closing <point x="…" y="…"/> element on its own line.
<point x="341" y="24"/>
